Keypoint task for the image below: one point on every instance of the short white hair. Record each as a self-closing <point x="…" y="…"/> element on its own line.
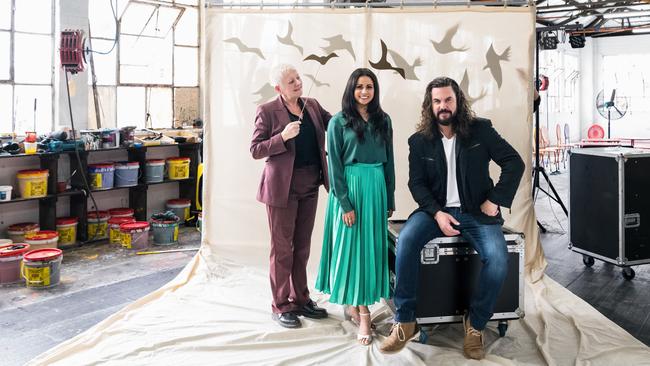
<point x="278" y="72"/>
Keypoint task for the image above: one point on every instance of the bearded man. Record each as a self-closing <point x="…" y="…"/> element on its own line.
<point x="449" y="178"/>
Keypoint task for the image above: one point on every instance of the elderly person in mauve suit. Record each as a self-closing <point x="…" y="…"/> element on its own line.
<point x="290" y="135"/>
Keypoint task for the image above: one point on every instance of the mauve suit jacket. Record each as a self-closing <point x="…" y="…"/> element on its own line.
<point x="270" y="120"/>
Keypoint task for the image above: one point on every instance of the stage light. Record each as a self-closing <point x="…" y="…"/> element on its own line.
<point x="549" y="41"/>
<point x="577" y="41"/>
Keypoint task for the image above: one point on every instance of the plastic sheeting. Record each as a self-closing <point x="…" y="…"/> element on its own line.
<point x="217" y="311"/>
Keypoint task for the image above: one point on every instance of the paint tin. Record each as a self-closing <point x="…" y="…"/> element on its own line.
<point x="17" y="232"/>
<point x="121" y="212"/>
<point x="10" y="257"/>
<point x="115" y="235"/>
<point x="67" y="229"/>
<point x="98" y="225"/>
<point x="32" y="183"/>
<point x="135" y="235"/>
<point x="41" y="268"/>
<point x="44" y="239"/>
<point x="5" y="193"/>
<point x="126" y="173"/>
<point x="178" y="168"/>
<point x="180" y="207"/>
<point x="165" y="228"/>
<point x="101" y="175"/>
<point x="154" y="171"/>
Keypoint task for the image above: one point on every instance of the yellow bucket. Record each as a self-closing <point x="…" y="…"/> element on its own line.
<point x="178" y="168"/>
<point x="32" y="183"/>
<point x="67" y="229"/>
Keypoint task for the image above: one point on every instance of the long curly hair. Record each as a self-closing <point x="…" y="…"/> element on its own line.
<point x="428" y="125"/>
<point x="377" y="117"/>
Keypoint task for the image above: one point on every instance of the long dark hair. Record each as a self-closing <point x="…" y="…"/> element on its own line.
<point x="464" y="114"/>
<point x="376" y="116"/>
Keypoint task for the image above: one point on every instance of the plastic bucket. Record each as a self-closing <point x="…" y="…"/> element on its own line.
<point x="101" y="175"/>
<point x="165" y="232"/>
<point x="17" y="232"/>
<point x="98" y="225"/>
<point x="10" y="257"/>
<point x="178" y="168"/>
<point x="154" y="171"/>
<point x="30" y="147"/>
<point x="180" y="207"/>
<point x="5" y="193"/>
<point x="115" y="235"/>
<point x="126" y="174"/>
<point x="135" y="235"/>
<point x="199" y="222"/>
<point x="121" y="212"/>
<point x="44" y="239"/>
<point x="32" y="183"/>
<point x="42" y="268"/>
<point x="67" y="229"/>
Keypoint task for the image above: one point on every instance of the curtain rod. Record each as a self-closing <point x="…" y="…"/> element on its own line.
<point x="388" y="4"/>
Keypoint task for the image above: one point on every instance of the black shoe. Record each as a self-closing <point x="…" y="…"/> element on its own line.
<point x="311" y="310"/>
<point x="287" y="320"/>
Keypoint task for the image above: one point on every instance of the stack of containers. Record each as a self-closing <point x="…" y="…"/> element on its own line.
<point x="67" y="229"/>
<point x="114" y="223"/>
<point x="10" y="257"/>
<point x="98" y="225"/>
<point x="42" y="239"/>
<point x="17" y="232"/>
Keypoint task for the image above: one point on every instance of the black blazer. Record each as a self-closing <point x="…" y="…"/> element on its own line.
<point x="428" y="171"/>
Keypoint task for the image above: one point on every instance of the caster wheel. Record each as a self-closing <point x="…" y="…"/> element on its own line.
<point x="503" y="328"/>
<point x="588" y="261"/>
<point x="628" y="273"/>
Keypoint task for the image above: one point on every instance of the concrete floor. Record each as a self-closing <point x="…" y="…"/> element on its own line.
<point x="98" y="280"/>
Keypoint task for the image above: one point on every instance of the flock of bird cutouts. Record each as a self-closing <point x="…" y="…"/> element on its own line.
<point x="398" y="65"/>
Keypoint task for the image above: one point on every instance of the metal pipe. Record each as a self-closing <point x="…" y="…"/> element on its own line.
<point x="391" y="4"/>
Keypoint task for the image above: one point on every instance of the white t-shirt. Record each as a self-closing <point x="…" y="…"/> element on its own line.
<point x="453" y="198"/>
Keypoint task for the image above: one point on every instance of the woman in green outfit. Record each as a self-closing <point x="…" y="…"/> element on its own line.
<point x="354" y="262"/>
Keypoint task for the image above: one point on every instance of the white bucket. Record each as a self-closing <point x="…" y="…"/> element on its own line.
<point x="5" y="193"/>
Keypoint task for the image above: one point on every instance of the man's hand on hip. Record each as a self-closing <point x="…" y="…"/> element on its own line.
<point x="489" y="208"/>
<point x="444" y="221"/>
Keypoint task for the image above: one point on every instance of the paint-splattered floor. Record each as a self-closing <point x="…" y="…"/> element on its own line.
<point x="96" y="281"/>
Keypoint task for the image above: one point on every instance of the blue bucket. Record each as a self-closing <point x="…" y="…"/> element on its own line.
<point x="154" y="171"/>
<point x="126" y="173"/>
<point x="101" y="175"/>
<point x="165" y="228"/>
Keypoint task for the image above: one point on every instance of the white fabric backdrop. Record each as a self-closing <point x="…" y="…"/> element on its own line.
<point x="217" y="311"/>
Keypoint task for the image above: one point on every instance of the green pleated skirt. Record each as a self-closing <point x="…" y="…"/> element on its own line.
<point x="354" y="260"/>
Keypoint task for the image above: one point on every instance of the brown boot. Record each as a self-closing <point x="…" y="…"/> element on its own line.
<point x="400" y="334"/>
<point x="473" y="344"/>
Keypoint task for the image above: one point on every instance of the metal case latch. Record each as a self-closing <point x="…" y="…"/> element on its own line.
<point x="632" y="220"/>
<point x="429" y="254"/>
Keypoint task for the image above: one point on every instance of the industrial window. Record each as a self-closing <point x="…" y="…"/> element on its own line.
<point x="26" y="66"/>
<point x="149" y="77"/>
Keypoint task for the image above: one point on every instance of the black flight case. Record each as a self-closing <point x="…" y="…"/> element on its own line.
<point x="609" y="206"/>
<point x="449" y="270"/>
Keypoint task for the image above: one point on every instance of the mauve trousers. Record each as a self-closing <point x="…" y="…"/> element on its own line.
<point x="291" y="229"/>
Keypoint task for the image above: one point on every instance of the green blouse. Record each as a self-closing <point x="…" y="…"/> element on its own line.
<point x="343" y="148"/>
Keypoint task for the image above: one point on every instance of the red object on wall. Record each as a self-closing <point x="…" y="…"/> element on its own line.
<point x="71" y="51"/>
<point x="595" y="132"/>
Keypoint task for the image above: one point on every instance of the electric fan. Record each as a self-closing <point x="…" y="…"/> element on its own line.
<point x="612" y="109"/>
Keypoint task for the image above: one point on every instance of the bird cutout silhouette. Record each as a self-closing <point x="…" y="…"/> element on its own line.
<point x="243" y="48"/>
<point x="321" y="59"/>
<point x="317" y="83"/>
<point x="494" y="63"/>
<point x="464" y="86"/>
<point x="445" y="46"/>
<point x="338" y="43"/>
<point x="287" y="40"/>
<point x="266" y="92"/>
<point x="409" y="70"/>
<point x="383" y="64"/>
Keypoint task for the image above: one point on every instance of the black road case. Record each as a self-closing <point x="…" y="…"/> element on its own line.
<point x="609" y="206"/>
<point x="449" y="270"/>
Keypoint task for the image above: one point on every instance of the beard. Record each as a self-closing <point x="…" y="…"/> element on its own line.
<point x="451" y="120"/>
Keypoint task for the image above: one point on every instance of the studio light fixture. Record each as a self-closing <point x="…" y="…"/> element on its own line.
<point x="627" y="14"/>
<point x="548" y="41"/>
<point x="577" y="40"/>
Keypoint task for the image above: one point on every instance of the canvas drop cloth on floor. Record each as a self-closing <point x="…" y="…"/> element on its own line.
<point x="217" y="311"/>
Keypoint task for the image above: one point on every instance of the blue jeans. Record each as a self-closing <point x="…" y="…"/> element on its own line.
<point x="487" y="240"/>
